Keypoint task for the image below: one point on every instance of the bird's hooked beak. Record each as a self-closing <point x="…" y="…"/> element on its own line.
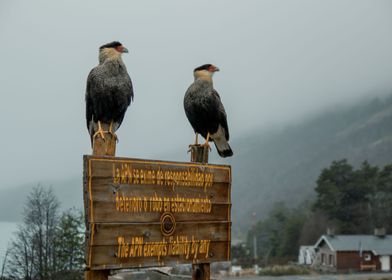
<point x="213" y="69"/>
<point x="125" y="50"/>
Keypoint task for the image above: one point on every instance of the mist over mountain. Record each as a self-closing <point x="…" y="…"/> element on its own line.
<point x="269" y="166"/>
<point x="284" y="165"/>
<point x="12" y="200"/>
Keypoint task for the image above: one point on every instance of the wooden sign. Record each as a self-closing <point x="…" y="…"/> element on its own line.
<point x="143" y="213"/>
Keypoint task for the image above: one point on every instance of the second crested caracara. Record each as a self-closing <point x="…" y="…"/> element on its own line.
<point x="205" y="111"/>
<point x="109" y="91"/>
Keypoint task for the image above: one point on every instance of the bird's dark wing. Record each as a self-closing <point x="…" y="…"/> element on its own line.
<point x="89" y="96"/>
<point x="92" y="84"/>
<point x="131" y="95"/>
<point x="220" y="113"/>
<point x="89" y="112"/>
<point x="124" y="97"/>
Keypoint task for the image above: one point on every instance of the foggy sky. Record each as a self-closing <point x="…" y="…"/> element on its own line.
<point x="280" y="61"/>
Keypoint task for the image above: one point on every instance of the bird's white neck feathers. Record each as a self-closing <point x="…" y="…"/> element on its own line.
<point x="203" y="75"/>
<point x="109" y="54"/>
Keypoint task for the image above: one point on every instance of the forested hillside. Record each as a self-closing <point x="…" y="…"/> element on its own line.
<point x="284" y="165"/>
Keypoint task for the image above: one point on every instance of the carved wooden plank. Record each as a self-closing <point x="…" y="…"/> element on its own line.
<point x="107" y="257"/>
<point x="106" y="190"/>
<point x="130" y="243"/>
<point x="107" y="234"/>
<point x="136" y="171"/>
<point x="106" y="212"/>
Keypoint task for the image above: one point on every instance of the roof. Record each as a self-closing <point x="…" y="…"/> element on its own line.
<point x="378" y="245"/>
<point x="307" y="247"/>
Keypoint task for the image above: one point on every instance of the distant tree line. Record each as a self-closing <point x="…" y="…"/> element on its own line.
<point x="48" y="244"/>
<point x="357" y="200"/>
<point x="348" y="200"/>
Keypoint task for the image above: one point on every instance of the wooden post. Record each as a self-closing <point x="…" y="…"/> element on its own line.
<point x="199" y="153"/>
<point x="96" y="275"/>
<point x="104" y="147"/>
<point x="201" y="271"/>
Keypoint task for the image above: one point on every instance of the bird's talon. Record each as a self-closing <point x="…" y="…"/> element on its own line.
<point x="114" y="135"/>
<point x="99" y="134"/>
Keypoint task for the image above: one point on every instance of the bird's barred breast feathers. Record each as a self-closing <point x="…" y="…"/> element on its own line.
<point x="200" y="93"/>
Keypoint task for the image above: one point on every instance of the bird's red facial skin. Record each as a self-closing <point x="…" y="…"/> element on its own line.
<point x="120" y="49"/>
<point x="211" y="68"/>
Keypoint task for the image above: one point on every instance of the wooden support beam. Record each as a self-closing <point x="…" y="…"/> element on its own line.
<point x="199" y="153"/>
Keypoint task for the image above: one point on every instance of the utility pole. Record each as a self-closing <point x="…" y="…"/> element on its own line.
<point x="255" y="257"/>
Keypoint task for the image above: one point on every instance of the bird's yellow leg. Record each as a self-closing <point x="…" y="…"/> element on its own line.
<point x="99" y="131"/>
<point x="196" y="141"/>
<point x="111" y="131"/>
<point x="206" y="144"/>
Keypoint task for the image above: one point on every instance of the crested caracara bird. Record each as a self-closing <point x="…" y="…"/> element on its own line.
<point x="109" y="91"/>
<point x="205" y="111"/>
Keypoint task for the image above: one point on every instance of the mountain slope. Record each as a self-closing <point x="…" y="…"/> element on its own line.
<point x="284" y="166"/>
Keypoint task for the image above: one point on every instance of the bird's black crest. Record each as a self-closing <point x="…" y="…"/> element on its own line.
<point x="111" y="45"/>
<point x="203" y="67"/>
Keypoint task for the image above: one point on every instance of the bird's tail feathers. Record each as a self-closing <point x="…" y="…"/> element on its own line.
<point x="223" y="147"/>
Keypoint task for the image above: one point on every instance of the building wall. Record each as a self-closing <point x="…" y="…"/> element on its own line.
<point x="326" y="257"/>
<point x="353" y="261"/>
<point x="306" y="255"/>
<point x="387" y="261"/>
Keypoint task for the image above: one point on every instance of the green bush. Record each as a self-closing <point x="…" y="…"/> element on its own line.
<point x="281" y="270"/>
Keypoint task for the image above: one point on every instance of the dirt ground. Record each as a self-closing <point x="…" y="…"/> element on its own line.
<point x="370" y="276"/>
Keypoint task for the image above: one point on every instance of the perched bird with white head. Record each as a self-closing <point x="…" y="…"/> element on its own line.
<point x="109" y="91"/>
<point x="205" y="111"/>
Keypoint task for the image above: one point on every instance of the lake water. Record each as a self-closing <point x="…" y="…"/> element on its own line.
<point x="7" y="230"/>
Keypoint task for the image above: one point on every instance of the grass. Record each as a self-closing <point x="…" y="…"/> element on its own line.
<point x="281" y="270"/>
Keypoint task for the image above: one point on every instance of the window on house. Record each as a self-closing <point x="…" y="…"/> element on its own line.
<point x="367" y="257"/>
<point x="331" y="260"/>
